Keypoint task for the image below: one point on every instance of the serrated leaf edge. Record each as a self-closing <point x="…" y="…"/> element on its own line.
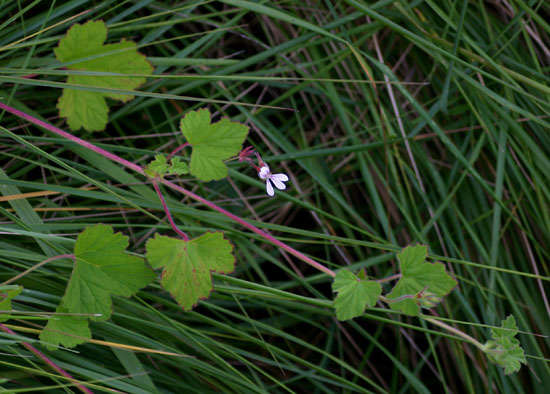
<point x="209" y="271"/>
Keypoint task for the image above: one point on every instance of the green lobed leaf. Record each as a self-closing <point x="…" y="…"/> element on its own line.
<point x="188" y="264"/>
<point x="84" y="49"/>
<point x="504" y="349"/>
<point x="354" y="294"/>
<point x="67" y="331"/>
<point x="157" y="167"/>
<point x="212" y="143"/>
<point x="421" y="283"/>
<point x="7" y="293"/>
<point x="509" y="328"/>
<point x="103" y="269"/>
<point x="178" y="167"/>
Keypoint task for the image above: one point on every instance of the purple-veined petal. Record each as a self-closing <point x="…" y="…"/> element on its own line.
<point x="269" y="188"/>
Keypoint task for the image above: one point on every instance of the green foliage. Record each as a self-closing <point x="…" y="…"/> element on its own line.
<point x="159" y="167"/>
<point x="470" y="83"/>
<point x="7" y="293"/>
<point x="188" y="264"/>
<point x="68" y="331"/>
<point x="504" y="349"/>
<point x="83" y="49"/>
<point x="421" y="283"/>
<point x="101" y="270"/>
<point x="212" y="143"/>
<point x="178" y="167"/>
<point x="354" y="294"/>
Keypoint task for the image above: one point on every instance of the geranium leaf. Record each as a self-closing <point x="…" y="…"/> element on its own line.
<point x="212" y="143"/>
<point x="509" y="328"/>
<point x="504" y="349"/>
<point x="188" y="264"/>
<point x="178" y="167"/>
<point x="354" y="294"/>
<point x="67" y="331"/>
<point x="421" y="283"/>
<point x="157" y="167"/>
<point x="7" y="293"/>
<point x="103" y="269"/>
<point x="83" y="49"/>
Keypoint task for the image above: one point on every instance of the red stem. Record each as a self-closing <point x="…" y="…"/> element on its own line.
<point x="41" y="355"/>
<point x="169" y="184"/>
<point x="168" y="214"/>
<point x="177" y="150"/>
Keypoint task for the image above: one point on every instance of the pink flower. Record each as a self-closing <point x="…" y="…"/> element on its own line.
<point x="277" y="179"/>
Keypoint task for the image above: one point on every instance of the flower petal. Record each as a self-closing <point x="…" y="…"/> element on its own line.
<point x="264" y="172"/>
<point x="278" y="184"/>
<point x="280" y="177"/>
<point x="269" y="188"/>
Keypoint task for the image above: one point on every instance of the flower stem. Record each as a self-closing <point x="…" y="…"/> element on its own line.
<point x="168" y="214"/>
<point x="251" y="227"/>
<point x="171" y="185"/>
<point x="34" y="267"/>
<point x="41" y="355"/>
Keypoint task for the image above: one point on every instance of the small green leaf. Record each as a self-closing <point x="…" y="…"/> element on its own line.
<point x="67" y="331"/>
<point x="178" y="167"/>
<point x="7" y="293"/>
<point x="188" y="264"/>
<point x="103" y="269"/>
<point x="509" y="328"/>
<point x="421" y="283"/>
<point x="354" y="294"/>
<point x="83" y="49"/>
<point x="212" y="143"/>
<point x="160" y="167"/>
<point x="504" y="349"/>
<point x="157" y="167"/>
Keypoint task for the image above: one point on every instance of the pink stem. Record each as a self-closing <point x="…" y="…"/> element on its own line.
<point x="168" y="214"/>
<point x="251" y="227"/>
<point x="41" y="355"/>
<point x="171" y="185"/>
<point x="71" y="137"/>
<point x="177" y="150"/>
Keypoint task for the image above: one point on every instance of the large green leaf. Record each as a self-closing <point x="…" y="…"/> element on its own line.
<point x="83" y="49"/>
<point x="212" y="143"/>
<point x="188" y="264"/>
<point x="421" y="283"/>
<point x="354" y="294"/>
<point x="103" y="269"/>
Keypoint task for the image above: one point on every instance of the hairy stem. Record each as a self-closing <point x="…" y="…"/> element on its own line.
<point x="41" y="355"/>
<point x="171" y="185"/>
<point x="456" y="331"/>
<point x="168" y="214"/>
